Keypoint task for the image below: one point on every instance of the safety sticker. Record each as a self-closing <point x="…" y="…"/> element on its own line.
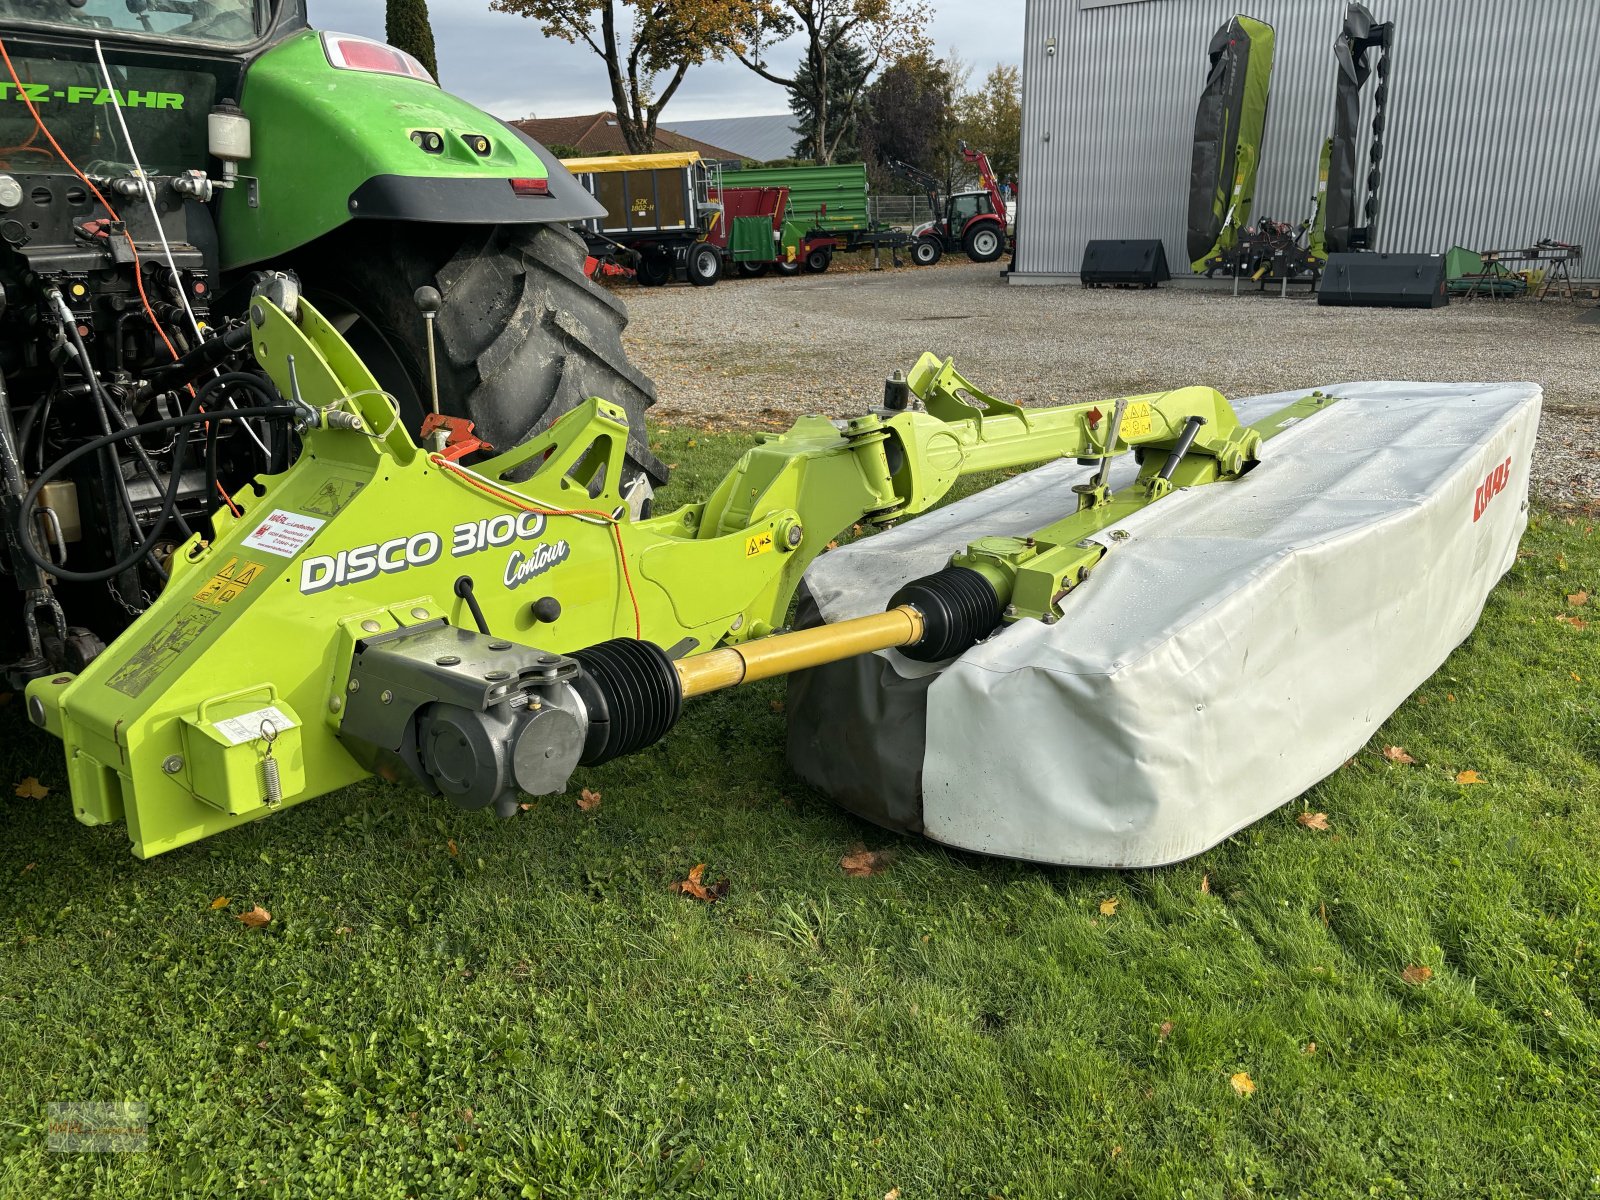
<point x="330" y="499"/>
<point x="758" y="543"/>
<point x="253" y="725"/>
<point x="284" y="532"/>
<point x="163" y="648"/>
<point x="229" y="583"/>
<point x="1135" y="421"/>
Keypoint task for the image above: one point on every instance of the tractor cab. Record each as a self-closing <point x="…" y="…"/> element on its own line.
<point x="964" y="206"/>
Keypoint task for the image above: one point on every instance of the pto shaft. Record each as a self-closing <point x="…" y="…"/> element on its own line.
<point x="787" y="652"/>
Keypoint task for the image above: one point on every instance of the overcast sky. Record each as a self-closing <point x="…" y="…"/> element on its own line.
<point x="501" y="63"/>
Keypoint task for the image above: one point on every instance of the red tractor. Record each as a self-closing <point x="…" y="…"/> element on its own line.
<point x="971" y="221"/>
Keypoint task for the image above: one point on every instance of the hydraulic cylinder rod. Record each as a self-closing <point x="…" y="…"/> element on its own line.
<point x="786" y="652"/>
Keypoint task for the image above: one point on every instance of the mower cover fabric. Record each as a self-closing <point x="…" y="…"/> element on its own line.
<point x="1227" y="136"/>
<point x="1236" y="645"/>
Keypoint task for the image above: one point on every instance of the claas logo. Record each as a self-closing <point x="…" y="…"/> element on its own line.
<point x="1493" y="484"/>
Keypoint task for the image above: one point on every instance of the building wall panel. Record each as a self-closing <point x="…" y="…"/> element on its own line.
<point x="1491" y="136"/>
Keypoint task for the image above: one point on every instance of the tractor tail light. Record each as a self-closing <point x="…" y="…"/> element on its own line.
<point x="531" y="187"/>
<point x="351" y="53"/>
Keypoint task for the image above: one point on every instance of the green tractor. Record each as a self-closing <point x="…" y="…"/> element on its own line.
<point x="161" y="161"/>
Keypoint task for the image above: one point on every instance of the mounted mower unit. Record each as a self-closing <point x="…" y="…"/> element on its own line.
<point x="159" y="157"/>
<point x="382" y="608"/>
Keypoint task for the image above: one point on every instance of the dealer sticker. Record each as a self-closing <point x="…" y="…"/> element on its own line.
<point x="283" y="532"/>
<point x="252" y="725"/>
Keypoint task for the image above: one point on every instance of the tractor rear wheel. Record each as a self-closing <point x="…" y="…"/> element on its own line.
<point x="926" y="251"/>
<point x="984" y="243"/>
<point x="523" y="335"/>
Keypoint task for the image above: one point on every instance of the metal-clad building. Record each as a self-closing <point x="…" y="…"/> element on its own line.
<point x="1492" y="136"/>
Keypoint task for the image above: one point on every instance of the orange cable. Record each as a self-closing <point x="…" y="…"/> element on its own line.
<point x="138" y="270"/>
<point x="516" y="501"/>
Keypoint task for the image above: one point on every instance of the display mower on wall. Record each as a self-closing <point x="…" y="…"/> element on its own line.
<point x="480" y="625"/>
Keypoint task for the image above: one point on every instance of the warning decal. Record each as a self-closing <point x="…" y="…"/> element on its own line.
<point x="1136" y="421"/>
<point x="334" y="494"/>
<point x="284" y="532"/>
<point x="758" y="543"/>
<point x="229" y="583"/>
<point x="145" y="664"/>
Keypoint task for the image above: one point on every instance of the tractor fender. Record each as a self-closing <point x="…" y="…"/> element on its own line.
<point x="982" y="219"/>
<point x="331" y="145"/>
<point x="927" y="228"/>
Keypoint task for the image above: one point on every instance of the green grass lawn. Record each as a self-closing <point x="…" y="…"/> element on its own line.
<point x="448" y="1005"/>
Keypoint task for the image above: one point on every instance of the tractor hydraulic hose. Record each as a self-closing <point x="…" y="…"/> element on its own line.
<point x="108" y="410"/>
<point x="208" y="355"/>
<point x="262" y="390"/>
<point x="186" y="422"/>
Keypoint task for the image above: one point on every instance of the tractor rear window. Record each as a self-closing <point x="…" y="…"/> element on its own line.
<point x="165" y="111"/>
<point x="221" y="22"/>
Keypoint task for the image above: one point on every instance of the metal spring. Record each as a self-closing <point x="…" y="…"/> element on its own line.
<point x="271" y="782"/>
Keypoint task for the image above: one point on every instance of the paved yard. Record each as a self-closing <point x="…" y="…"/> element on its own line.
<point x="756" y="353"/>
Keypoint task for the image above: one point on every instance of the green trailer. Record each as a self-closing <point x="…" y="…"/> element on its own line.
<point x="827" y="212"/>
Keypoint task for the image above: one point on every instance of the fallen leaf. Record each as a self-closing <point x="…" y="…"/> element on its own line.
<point x="343" y="929"/>
<point x="256" y="918"/>
<point x="1576" y="678"/>
<point x="1469" y="777"/>
<point x="861" y="862"/>
<point x="588" y="800"/>
<point x="833" y="545"/>
<point x="776" y="706"/>
<point x="450" y="845"/>
<point x="262" y="1045"/>
<point x="1322" y="911"/>
<point x="1310" y="1048"/>
<point x="892" y="1194"/>
<point x="1164" y="1032"/>
<point x="1242" y="1083"/>
<point x="1575" y="622"/>
<point x="1205" y="885"/>
<point x="1317" y="821"/>
<point x="27" y="868"/>
<point x="1561" y="562"/>
<point x="696" y="887"/>
<point x="1417" y="974"/>
<point x="219" y="902"/>
<point x="1108" y="906"/>
<point x="31" y="789"/>
<point x="1578" y="599"/>
<point x="1398" y="754"/>
<point x="1450" y="696"/>
<point x="524" y="806"/>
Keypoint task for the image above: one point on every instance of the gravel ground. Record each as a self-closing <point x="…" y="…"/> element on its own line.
<point x="755" y="353"/>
